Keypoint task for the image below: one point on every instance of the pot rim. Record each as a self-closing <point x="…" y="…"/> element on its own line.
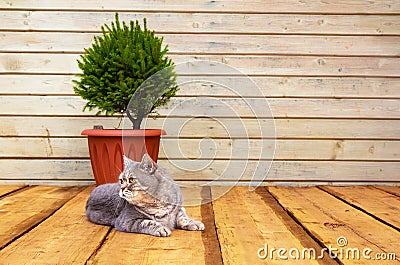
<point x="123" y="132"/>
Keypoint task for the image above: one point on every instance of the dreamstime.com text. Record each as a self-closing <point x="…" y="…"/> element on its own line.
<point x="340" y="252"/>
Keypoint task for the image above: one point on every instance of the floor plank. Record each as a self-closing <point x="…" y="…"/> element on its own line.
<point x="23" y="210"/>
<point x="238" y="225"/>
<point x="296" y="229"/>
<point x="328" y="218"/>
<point x="212" y="252"/>
<point x="245" y="224"/>
<point x="381" y="204"/>
<point x="395" y="190"/>
<point x="182" y="247"/>
<point x="6" y="189"/>
<point x="64" y="238"/>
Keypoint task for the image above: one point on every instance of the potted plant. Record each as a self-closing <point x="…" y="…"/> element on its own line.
<point x="126" y="70"/>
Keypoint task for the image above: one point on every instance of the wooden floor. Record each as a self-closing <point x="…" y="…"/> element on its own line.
<point x="47" y="225"/>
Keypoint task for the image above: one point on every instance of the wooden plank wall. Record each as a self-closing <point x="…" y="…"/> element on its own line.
<point x="329" y="69"/>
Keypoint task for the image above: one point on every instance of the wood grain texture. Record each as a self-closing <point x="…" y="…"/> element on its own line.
<point x="53" y="42"/>
<point x="327" y="71"/>
<point x="245" y="224"/>
<point x="391" y="190"/>
<point x="278" y="65"/>
<point x="65" y="237"/>
<point x="181" y="247"/>
<point x="338" y="129"/>
<point x="192" y="107"/>
<point x="206" y="23"/>
<point x="52" y="126"/>
<point x="22" y="211"/>
<point x="327" y="218"/>
<point x="6" y="189"/>
<point x="303" y="219"/>
<point x="208" y="149"/>
<point x="301" y="183"/>
<point x="374" y="201"/>
<point x="44" y="147"/>
<point x="72" y="170"/>
<point x="295" y="228"/>
<point x="235" y="171"/>
<point x="258" y="6"/>
<point x="279" y="149"/>
<point x="64" y="170"/>
<point x="306" y="87"/>
<point x="211" y="242"/>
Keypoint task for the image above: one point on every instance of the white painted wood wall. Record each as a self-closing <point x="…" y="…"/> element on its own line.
<point x="330" y="71"/>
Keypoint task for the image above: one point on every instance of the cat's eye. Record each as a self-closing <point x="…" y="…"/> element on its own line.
<point x="131" y="180"/>
<point x="121" y="181"/>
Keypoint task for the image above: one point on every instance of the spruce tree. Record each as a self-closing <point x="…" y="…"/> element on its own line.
<point x="121" y="63"/>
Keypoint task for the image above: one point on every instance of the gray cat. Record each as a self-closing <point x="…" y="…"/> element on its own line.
<point x="146" y="201"/>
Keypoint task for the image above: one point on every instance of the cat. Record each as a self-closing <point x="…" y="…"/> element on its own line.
<point x="146" y="200"/>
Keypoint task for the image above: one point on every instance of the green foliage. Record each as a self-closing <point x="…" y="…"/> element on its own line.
<point x="116" y="67"/>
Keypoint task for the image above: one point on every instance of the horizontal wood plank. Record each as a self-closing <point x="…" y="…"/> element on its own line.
<point x="328" y="218"/>
<point x="71" y="171"/>
<point x="22" y="211"/>
<point x="249" y="65"/>
<point x="284" y="128"/>
<point x="203" y="127"/>
<point x="208" y="149"/>
<point x="195" y="183"/>
<point x="257" y="6"/>
<point x="38" y="63"/>
<point x="52" y="126"/>
<point x="308" y="87"/>
<point x="57" y="239"/>
<point x="206" y="23"/>
<point x="192" y="107"/>
<point x="49" y="182"/>
<point x="269" y="86"/>
<point x="37" y="84"/>
<point x="373" y="201"/>
<point x="44" y="147"/>
<point x="279" y="149"/>
<point x="224" y="170"/>
<point x="61" y="170"/>
<point x="215" y="44"/>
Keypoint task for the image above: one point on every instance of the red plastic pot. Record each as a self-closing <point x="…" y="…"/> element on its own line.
<point x="107" y="147"/>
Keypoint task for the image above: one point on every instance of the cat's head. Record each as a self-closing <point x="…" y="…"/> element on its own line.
<point x="146" y="182"/>
<point x="136" y="177"/>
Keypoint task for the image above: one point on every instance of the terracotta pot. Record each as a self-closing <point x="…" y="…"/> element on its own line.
<point x="107" y="147"/>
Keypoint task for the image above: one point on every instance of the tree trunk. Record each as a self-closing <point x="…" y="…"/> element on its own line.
<point x="136" y="121"/>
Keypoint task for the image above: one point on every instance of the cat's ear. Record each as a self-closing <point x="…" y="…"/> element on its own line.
<point x="127" y="161"/>
<point x="147" y="164"/>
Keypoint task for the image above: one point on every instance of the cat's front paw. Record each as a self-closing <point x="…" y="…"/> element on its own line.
<point x="155" y="228"/>
<point x="191" y="225"/>
<point x="196" y="226"/>
<point x="162" y="231"/>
